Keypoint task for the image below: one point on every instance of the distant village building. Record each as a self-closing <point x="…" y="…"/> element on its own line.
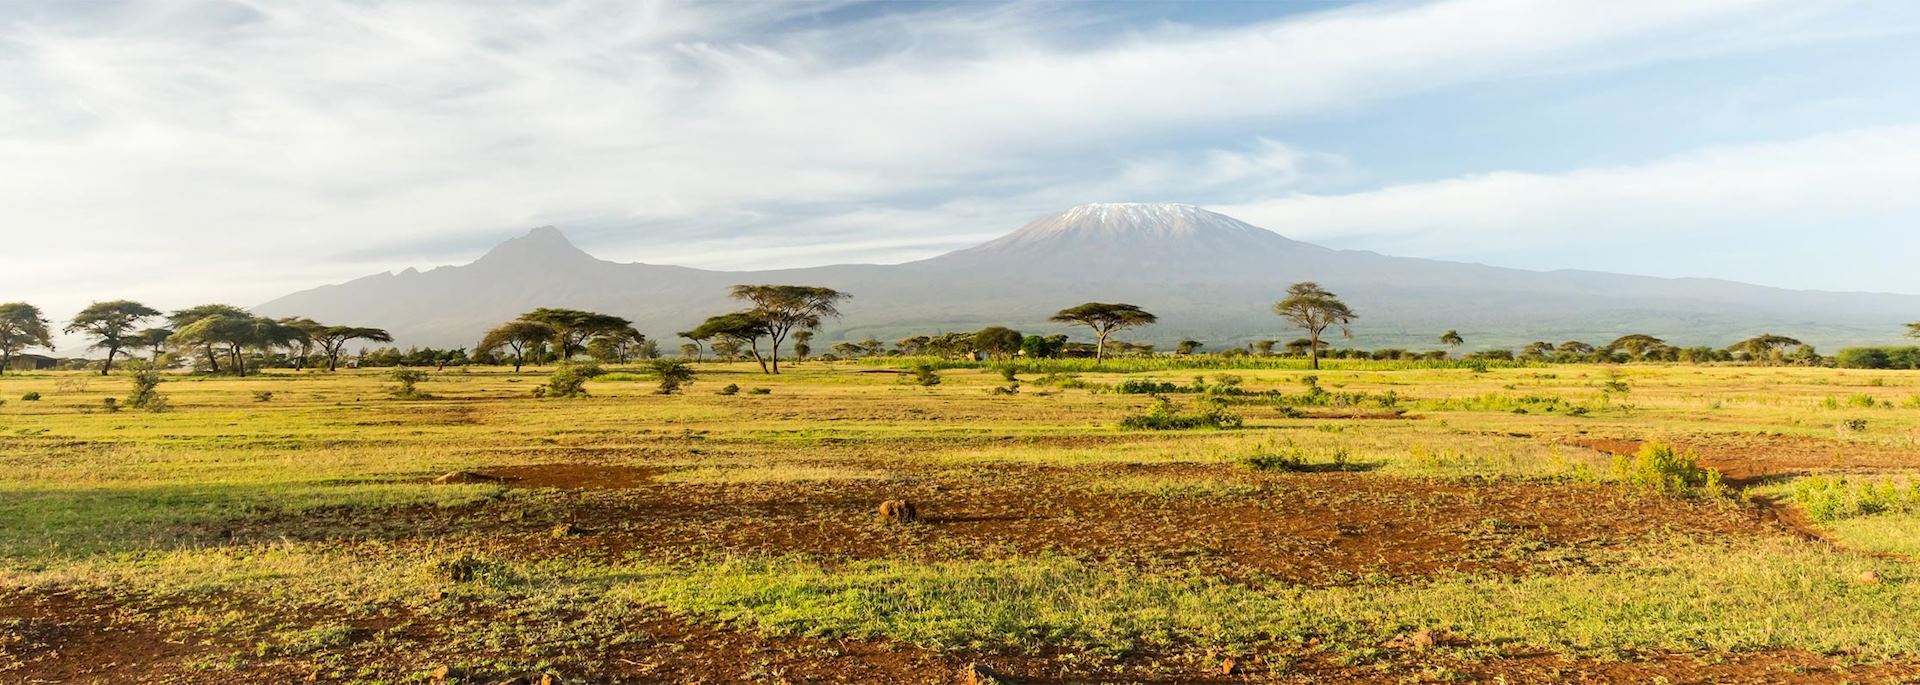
<point x="31" y="362"/>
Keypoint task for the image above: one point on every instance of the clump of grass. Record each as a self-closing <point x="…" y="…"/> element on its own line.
<point x="728" y="389"/>
<point x="760" y="391"/>
<point x="1173" y="487"/>
<point x="1660" y="469"/>
<point x="1064" y="381"/>
<point x="1165" y="415"/>
<point x="1831" y="498"/>
<point x="31" y="396"/>
<point x="1300" y="461"/>
<point x="263" y="396"/>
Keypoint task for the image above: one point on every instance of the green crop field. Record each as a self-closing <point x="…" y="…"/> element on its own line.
<point x="1132" y="522"/>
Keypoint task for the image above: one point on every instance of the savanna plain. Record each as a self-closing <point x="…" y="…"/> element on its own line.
<point x="1135" y="522"/>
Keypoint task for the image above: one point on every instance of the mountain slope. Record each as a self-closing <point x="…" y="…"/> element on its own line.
<point x="1209" y="276"/>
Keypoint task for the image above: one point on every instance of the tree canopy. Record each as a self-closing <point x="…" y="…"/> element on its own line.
<point x="998" y="342"/>
<point x="111" y="325"/>
<point x="1452" y="338"/>
<point x="332" y="339"/>
<point x="21" y="327"/>
<point x="1104" y="319"/>
<point x="573" y="327"/>
<point x="789" y="308"/>
<point x="1311" y="307"/>
<point x="743" y="329"/>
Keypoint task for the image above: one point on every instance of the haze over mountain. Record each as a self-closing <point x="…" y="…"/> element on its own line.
<point x="1208" y="276"/>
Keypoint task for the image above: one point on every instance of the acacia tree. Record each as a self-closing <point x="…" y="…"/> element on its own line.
<point x="1311" y="307"/>
<point x="1537" y="348"/>
<point x="1188" y="347"/>
<point x="111" y="326"/>
<point x="616" y="346"/>
<point x="1637" y="345"/>
<point x="332" y="339"/>
<point x="1452" y="339"/>
<point x="519" y="336"/>
<point x="802" y="344"/>
<point x="21" y="327"/>
<point x="237" y="334"/>
<point x="1104" y="319"/>
<point x="308" y="329"/>
<point x="741" y="330"/>
<point x="788" y="308"/>
<point x="154" y="340"/>
<point x="1913" y="330"/>
<point x="572" y="327"/>
<point x="186" y="317"/>
<point x="1764" y="347"/>
<point x="998" y="342"/>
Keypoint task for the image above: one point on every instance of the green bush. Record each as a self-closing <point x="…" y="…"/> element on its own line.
<point x="728" y="389"/>
<point x="405" y="380"/>
<point x="1878" y="358"/>
<point x="1659" y="468"/>
<point x="1829" y="498"/>
<point x="1166" y="415"/>
<point x="922" y="375"/>
<point x="673" y="374"/>
<point x="146" y="394"/>
<point x="570" y="380"/>
<point x="30" y="397"/>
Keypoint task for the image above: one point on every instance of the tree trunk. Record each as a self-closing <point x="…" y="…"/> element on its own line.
<point x="6" y="361"/>
<point x="1099" y="347"/>
<point x="213" y="363"/>
<point x="1313" y="349"/>
<point x="104" y="370"/>
<point x="776" y="354"/>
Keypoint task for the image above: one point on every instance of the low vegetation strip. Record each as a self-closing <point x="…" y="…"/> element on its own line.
<point x="1743" y="597"/>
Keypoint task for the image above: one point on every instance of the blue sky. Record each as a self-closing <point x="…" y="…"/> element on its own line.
<point x="184" y="151"/>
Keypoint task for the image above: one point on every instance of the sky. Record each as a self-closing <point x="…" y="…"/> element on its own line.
<point x="188" y="151"/>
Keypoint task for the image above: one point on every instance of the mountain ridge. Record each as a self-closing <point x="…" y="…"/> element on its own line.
<point x="1209" y="276"/>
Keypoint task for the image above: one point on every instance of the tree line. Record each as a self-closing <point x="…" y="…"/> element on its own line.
<point x="221" y="338"/>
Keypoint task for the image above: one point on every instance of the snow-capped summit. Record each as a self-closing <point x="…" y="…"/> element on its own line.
<point x="1134" y="233"/>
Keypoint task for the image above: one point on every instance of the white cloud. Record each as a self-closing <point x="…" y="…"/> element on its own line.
<point x="1843" y="202"/>
<point x="242" y="147"/>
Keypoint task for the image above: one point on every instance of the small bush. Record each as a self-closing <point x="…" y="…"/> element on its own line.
<point x="30" y="397"/>
<point x="570" y="380"/>
<point x="760" y="391"/>
<point x="1830" y="498"/>
<point x="673" y="374"/>
<point x="406" y="380"/>
<point x="263" y="396"/>
<point x="728" y="389"/>
<point x="1167" y="416"/>
<point x="110" y="404"/>
<point x="922" y="375"/>
<point x="1658" y="468"/>
<point x="146" y="394"/>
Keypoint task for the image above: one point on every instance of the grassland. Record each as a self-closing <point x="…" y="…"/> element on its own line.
<point x="1407" y="522"/>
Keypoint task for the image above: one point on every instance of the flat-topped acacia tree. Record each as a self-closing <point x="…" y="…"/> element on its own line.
<point x="111" y="325"/>
<point x="1913" y="330"/>
<point x="331" y="340"/>
<point x="1104" y="319"/>
<point x="735" y="331"/>
<point x="21" y="327"/>
<point x="186" y="317"/>
<point x="789" y="308"/>
<point x="1312" y="308"/>
<point x="573" y="327"/>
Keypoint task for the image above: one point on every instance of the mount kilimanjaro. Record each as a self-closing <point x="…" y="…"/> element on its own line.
<point x="1209" y="276"/>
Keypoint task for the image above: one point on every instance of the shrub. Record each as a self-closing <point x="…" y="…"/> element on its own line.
<point x="1008" y="372"/>
<point x="922" y="375"/>
<point x="728" y="389"/>
<point x="673" y="374"/>
<point x="760" y="391"/>
<point x="570" y="380"/>
<point x="30" y="397"/>
<point x="1829" y="498"/>
<point x="1658" y="468"/>
<point x="406" y="379"/>
<point x="110" y="404"/>
<point x="263" y="396"/>
<point x="1167" y="416"/>
<point x="146" y="394"/>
